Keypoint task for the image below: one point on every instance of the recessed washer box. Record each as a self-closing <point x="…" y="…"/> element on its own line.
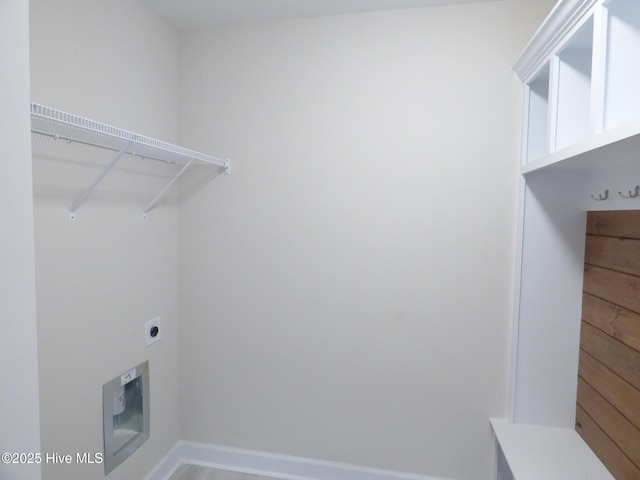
<point x="125" y="406"/>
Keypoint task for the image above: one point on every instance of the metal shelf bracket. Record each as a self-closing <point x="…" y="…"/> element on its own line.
<point x="156" y="199"/>
<point x="83" y="196"/>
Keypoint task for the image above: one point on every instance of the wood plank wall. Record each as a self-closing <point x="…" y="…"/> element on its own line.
<point x="608" y="397"/>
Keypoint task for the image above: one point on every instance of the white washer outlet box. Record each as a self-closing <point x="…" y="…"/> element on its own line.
<point x="152" y="331"/>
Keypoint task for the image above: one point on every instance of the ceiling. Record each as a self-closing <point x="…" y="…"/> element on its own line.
<point x="205" y="13"/>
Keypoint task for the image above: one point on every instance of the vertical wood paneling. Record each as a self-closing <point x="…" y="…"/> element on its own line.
<point x="614" y="459"/>
<point x="608" y="397"/>
<point x="622" y="432"/>
<point x="616" y="356"/>
<point x="622" y="223"/>
<point x="619" y="254"/>
<point x="620" y="323"/>
<point x="619" y="393"/>
<point x="619" y="288"/>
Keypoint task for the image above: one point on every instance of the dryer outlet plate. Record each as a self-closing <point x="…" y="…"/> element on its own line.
<point x="152" y="331"/>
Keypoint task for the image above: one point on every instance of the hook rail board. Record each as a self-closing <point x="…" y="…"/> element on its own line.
<point x="73" y="128"/>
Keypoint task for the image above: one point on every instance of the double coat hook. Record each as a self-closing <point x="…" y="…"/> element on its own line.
<point x="601" y="197"/>
<point x="634" y="194"/>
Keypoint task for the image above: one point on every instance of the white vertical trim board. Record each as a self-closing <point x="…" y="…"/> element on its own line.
<point x="275" y="465"/>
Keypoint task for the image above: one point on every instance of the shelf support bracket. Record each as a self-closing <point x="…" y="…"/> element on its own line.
<point x="183" y="170"/>
<point x="83" y="196"/>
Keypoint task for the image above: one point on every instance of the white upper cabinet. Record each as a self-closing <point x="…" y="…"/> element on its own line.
<point x="537" y="119"/>
<point x="622" y="63"/>
<point x="572" y="89"/>
<point x="581" y="73"/>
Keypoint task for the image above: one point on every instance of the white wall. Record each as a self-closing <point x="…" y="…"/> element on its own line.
<point x="19" y="414"/>
<point x="346" y="293"/>
<point x="100" y="277"/>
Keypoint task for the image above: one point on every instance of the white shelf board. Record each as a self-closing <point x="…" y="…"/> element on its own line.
<point x="74" y="128"/>
<point x="536" y="452"/>
<point x="619" y="144"/>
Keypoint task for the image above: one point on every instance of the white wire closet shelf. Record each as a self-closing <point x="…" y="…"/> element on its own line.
<point x="73" y="128"/>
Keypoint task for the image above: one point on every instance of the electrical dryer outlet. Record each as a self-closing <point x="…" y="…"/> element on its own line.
<point x="152" y="331"/>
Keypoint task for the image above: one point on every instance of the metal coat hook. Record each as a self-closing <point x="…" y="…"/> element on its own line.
<point x="634" y="194"/>
<point x="601" y="197"/>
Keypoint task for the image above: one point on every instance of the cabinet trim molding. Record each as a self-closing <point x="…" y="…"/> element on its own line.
<point x="563" y="18"/>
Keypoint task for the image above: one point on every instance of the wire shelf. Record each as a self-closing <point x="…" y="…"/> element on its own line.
<point x="76" y="129"/>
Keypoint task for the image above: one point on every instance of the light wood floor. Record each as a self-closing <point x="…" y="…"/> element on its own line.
<point x="192" y="472"/>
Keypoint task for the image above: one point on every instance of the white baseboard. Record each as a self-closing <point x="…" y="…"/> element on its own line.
<point x="167" y="466"/>
<point x="284" y="467"/>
